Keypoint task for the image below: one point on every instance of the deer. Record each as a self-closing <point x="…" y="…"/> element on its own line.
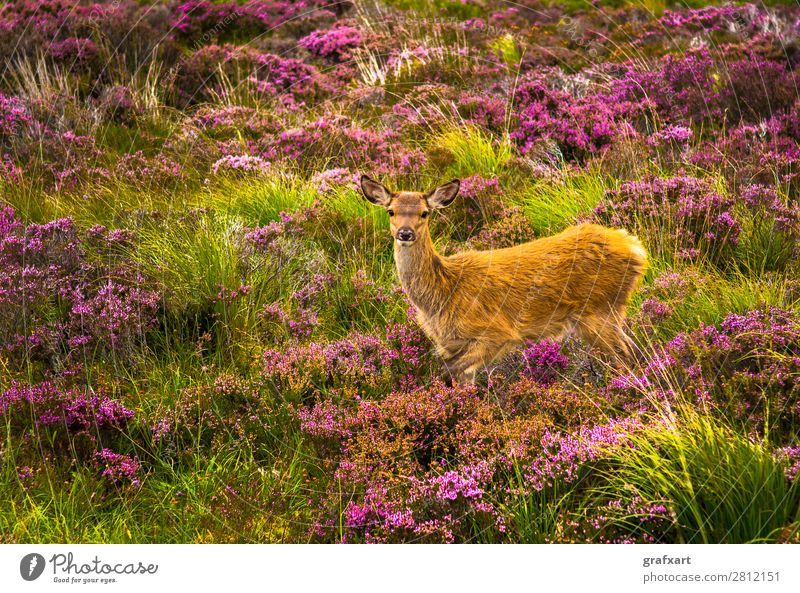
<point x="477" y="306"/>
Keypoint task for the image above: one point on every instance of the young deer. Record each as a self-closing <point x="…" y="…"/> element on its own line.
<point x="477" y="305"/>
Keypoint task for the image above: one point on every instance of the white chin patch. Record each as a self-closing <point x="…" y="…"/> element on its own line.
<point x="404" y="243"/>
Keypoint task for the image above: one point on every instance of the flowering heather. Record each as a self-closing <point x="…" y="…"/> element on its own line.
<point x="118" y="469"/>
<point x="359" y="359"/>
<point x="268" y="237"/>
<point x="792" y="456"/>
<point x="298" y="328"/>
<point x="244" y="164"/>
<point x="272" y="77"/>
<point x="486" y="111"/>
<point x="339" y="138"/>
<point x="509" y="229"/>
<point x="671" y="135"/>
<point x="700" y="219"/>
<point x="119" y="104"/>
<point x="746" y="369"/>
<point x="73" y="409"/>
<point x="326" y="181"/>
<point x="479" y="205"/>
<point x="116" y="314"/>
<point x="620" y="521"/>
<point x="713" y="18"/>
<point x="73" y="52"/>
<point x="580" y="126"/>
<point x="410" y="434"/>
<point x="543" y="361"/>
<point x="563" y="455"/>
<point x="53" y="294"/>
<point x="332" y="43"/>
<point x="200" y="21"/>
<point x="13" y="116"/>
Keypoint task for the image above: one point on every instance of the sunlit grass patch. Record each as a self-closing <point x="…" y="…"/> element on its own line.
<point x="552" y="205"/>
<point x="719" y="486"/>
<point x="257" y="199"/>
<point x="466" y="151"/>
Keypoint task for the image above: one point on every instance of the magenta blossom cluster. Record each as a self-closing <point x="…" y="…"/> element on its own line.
<point x="54" y="293"/>
<point x="74" y="409"/>
<point x="745" y="369"/>
<point x="350" y="144"/>
<point x="579" y="126"/>
<point x="564" y="455"/>
<point x="359" y="359"/>
<point x="335" y="42"/>
<point x="700" y="219"/>
<point x="118" y="469"/>
<point x="201" y="21"/>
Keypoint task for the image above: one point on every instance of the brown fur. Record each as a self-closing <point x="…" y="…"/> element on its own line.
<point x="477" y="305"/>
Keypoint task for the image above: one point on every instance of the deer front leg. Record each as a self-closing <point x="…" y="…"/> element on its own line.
<point x="479" y="354"/>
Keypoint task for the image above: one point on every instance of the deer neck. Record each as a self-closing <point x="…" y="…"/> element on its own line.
<point x="422" y="273"/>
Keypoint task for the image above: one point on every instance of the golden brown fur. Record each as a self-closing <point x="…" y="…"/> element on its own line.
<point x="477" y="305"/>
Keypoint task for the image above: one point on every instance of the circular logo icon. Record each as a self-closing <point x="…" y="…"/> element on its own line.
<point x="31" y="566"/>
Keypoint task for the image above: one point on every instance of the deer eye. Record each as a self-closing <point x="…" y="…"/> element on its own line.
<point x="424" y="214"/>
<point x="391" y="212"/>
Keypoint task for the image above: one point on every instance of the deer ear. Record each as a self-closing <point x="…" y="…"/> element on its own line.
<point x="443" y="195"/>
<point x="375" y="192"/>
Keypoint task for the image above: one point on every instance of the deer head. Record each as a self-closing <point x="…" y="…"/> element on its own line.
<point x="409" y="211"/>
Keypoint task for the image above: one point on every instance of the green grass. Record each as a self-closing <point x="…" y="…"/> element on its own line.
<point x="260" y="199"/>
<point x="450" y="8"/>
<point x="714" y="296"/>
<point x="471" y="151"/>
<point x="721" y="486"/>
<point x="507" y="49"/>
<point x="553" y="206"/>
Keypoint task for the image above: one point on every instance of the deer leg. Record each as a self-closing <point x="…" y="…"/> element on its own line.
<point x="479" y="354"/>
<point x="451" y="371"/>
<point x="607" y="335"/>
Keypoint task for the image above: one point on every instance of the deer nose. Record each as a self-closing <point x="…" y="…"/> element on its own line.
<point x="405" y="234"/>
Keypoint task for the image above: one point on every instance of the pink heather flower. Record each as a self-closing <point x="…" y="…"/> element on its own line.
<point x="335" y="42"/>
<point x="242" y="163"/>
<point x="670" y="135"/>
<point x="325" y="181"/>
<point x="118" y="469"/>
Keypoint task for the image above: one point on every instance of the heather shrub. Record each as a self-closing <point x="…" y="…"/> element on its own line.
<point x="488" y="112"/>
<point x="202" y="333"/>
<point x="334" y="43"/>
<point x="412" y="434"/>
<point x="680" y="217"/>
<point x="200" y="21"/>
<point x="696" y="481"/>
<point x="367" y="363"/>
<point x="216" y="71"/>
<point x="61" y="419"/>
<point x="754" y="154"/>
<point x="479" y="204"/>
<point x="744" y="371"/>
<point x="341" y="142"/>
<point x="67" y="294"/>
<point x="73" y="33"/>
<point x="770" y="229"/>
<point x="695" y="88"/>
<point x="681" y="297"/>
<point x="579" y="126"/>
<point x="13" y="117"/>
